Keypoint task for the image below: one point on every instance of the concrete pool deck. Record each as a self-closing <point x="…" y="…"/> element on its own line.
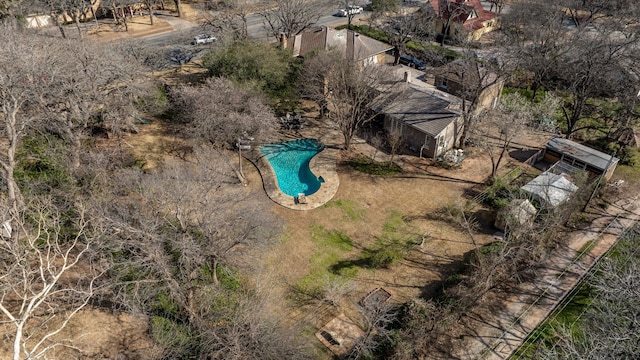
<point x="322" y="165"/>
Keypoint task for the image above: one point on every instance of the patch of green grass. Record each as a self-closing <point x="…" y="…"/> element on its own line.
<point x="331" y="247"/>
<point x="368" y="166"/>
<point x="331" y="239"/>
<point x="172" y="335"/>
<point x="385" y="253"/>
<point x="628" y="173"/>
<point x="546" y="332"/>
<point x="584" y="250"/>
<point x="350" y="208"/>
<point x="398" y="237"/>
<point x="395" y="222"/>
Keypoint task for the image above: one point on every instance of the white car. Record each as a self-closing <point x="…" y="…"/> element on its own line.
<point x="351" y="10"/>
<point x="203" y="39"/>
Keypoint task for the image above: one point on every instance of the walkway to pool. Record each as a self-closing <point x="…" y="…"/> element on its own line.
<point x="322" y="165"/>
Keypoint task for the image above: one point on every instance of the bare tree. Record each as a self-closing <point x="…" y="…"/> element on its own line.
<point x="26" y="61"/>
<point x="377" y="318"/>
<point x="586" y="71"/>
<point x="536" y="41"/>
<point x="178" y="7"/>
<point x="120" y="9"/>
<point x="376" y="141"/>
<point x="149" y="4"/>
<point x="395" y="140"/>
<point x="220" y="112"/>
<point x="478" y="82"/>
<point x="230" y="17"/>
<point x="47" y="276"/>
<point x="244" y="330"/>
<point x="179" y="233"/>
<point x="610" y="323"/>
<point x="498" y="4"/>
<point x="349" y="90"/>
<point x="402" y="28"/>
<point x="97" y="87"/>
<point x="290" y="17"/>
<point x="379" y="8"/>
<point x="581" y="60"/>
<point x="202" y="221"/>
<point x="511" y="118"/>
<point x="450" y="12"/>
<point x="347" y="5"/>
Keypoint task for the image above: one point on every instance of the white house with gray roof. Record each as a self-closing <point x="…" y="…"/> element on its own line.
<point x="428" y="119"/>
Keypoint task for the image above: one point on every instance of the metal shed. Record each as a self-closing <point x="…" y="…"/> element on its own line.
<point x="580" y="156"/>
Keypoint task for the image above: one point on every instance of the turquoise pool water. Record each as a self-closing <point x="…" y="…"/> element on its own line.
<point x="290" y="161"/>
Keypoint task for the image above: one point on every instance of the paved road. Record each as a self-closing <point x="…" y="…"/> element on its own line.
<point x="182" y="32"/>
<point x="183" y="29"/>
<point x="256" y="27"/>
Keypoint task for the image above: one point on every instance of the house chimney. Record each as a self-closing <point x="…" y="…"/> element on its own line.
<point x="283" y="40"/>
<point x="407" y="78"/>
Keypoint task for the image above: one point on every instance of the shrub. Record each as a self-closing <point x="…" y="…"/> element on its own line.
<point x="368" y="166"/>
<point x="386" y="255"/>
<point x="629" y="156"/>
<point x="367" y="31"/>
<point x="265" y="66"/>
<point x="41" y="164"/>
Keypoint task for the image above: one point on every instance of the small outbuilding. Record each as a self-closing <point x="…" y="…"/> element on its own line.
<point x="550" y="190"/>
<point x="580" y="156"/>
<point x="518" y="212"/>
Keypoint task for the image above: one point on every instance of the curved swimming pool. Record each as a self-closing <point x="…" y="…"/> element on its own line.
<point x="290" y="162"/>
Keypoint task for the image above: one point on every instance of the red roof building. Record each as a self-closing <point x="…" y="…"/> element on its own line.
<point x="469" y="13"/>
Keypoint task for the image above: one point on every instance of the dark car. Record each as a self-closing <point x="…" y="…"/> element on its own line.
<point x="410" y="61"/>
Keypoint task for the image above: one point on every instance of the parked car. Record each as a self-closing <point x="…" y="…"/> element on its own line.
<point x="410" y="61"/>
<point x="203" y="39"/>
<point x="351" y="10"/>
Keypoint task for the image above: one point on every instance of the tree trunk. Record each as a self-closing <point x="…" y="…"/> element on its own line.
<point x="17" y="341"/>
<point x="124" y="20"/>
<point x="347" y="140"/>
<point x="150" y="13"/>
<point x="178" y="7"/>
<point x="214" y="275"/>
<point x="93" y="13"/>
<point x="114" y="12"/>
<point x="56" y="20"/>
<point x="76" y="19"/>
<point x="75" y="150"/>
<point x="396" y="55"/>
<point x="13" y="191"/>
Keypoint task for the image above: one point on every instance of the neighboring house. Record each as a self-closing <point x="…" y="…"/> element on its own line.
<point x="580" y="156"/>
<point x="455" y="17"/>
<point x="551" y="188"/>
<point x="356" y="47"/>
<point x="427" y="118"/>
<point x="461" y="79"/>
